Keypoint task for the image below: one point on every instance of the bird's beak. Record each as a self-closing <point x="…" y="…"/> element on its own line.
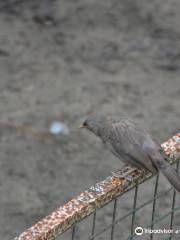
<point x="82" y="126"/>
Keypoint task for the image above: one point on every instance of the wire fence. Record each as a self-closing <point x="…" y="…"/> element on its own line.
<point x="65" y="221"/>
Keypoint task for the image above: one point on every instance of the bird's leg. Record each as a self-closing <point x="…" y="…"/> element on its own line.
<point x="144" y="172"/>
<point x="124" y="172"/>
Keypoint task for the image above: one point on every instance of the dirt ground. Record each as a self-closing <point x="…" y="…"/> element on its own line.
<point x="60" y="60"/>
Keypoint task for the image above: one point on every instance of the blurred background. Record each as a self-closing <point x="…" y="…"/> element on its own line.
<point x="61" y="60"/>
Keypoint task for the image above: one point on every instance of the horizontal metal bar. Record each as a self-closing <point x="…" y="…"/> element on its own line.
<point x="93" y="198"/>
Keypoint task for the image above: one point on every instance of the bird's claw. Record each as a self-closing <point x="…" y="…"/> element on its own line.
<point x="124" y="174"/>
<point x="121" y="175"/>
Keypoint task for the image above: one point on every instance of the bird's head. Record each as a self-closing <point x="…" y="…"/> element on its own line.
<point x="95" y="123"/>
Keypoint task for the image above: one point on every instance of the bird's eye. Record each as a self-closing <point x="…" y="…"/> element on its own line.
<point x="85" y="124"/>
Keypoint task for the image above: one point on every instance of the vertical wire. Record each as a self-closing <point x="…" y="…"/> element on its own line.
<point x="113" y="219"/>
<point x="154" y="206"/>
<point x="73" y="232"/>
<point x="93" y="226"/>
<point x="173" y="206"/>
<point x="133" y="214"/>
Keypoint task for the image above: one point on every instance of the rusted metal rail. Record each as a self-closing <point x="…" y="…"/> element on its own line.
<point x="93" y="198"/>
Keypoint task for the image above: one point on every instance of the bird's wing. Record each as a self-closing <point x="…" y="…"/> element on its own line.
<point x="133" y="143"/>
<point x="141" y="149"/>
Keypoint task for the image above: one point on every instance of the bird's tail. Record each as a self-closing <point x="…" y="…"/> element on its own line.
<point x="169" y="172"/>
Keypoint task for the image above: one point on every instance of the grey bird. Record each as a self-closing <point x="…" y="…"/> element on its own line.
<point x="132" y="144"/>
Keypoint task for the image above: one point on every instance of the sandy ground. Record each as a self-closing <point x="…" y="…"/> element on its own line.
<point x="60" y="60"/>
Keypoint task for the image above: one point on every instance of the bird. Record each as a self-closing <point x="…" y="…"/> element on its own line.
<point x="132" y="144"/>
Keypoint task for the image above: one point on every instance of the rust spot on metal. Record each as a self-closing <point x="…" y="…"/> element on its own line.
<point x="116" y="181"/>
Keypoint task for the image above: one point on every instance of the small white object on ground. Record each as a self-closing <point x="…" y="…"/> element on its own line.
<point x="58" y="128"/>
